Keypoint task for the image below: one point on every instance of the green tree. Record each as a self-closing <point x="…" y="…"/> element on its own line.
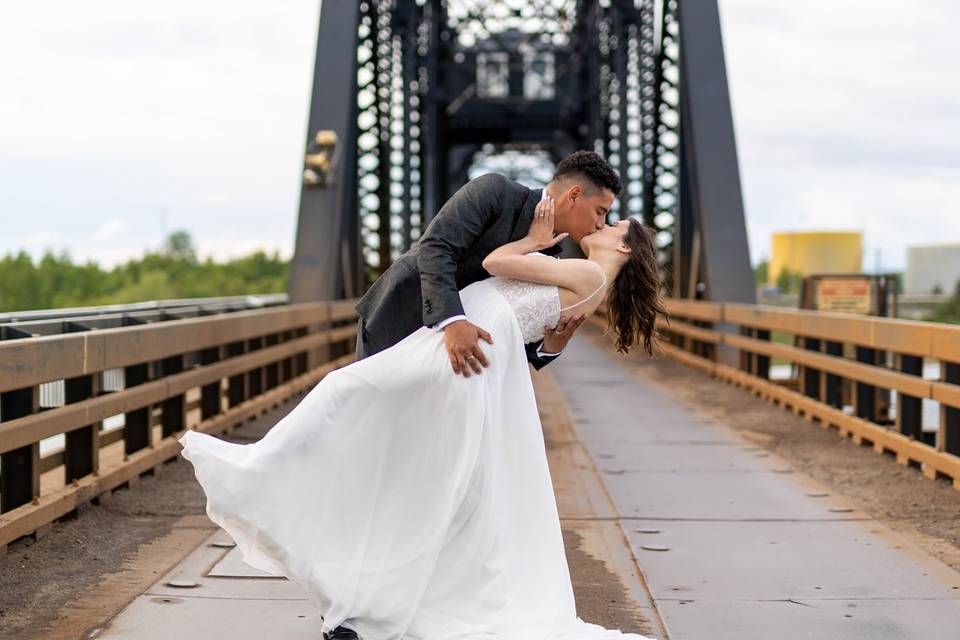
<point x="173" y="272"/>
<point x="949" y="311"/>
<point x="180" y="245"/>
<point x="788" y="281"/>
<point x="761" y="272"/>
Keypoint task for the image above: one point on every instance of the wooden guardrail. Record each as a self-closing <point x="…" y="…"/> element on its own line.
<point x="849" y="369"/>
<point x="127" y="393"/>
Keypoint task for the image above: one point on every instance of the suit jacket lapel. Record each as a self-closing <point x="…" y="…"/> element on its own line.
<point x="526" y="214"/>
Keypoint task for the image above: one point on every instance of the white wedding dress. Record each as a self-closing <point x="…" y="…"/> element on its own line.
<point x="407" y="501"/>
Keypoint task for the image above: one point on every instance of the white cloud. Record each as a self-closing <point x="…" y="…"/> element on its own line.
<point x="109" y="230"/>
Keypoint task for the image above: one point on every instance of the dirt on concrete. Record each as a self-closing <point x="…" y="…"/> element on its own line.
<point x="608" y="585"/>
<point x="39" y="578"/>
<point x="926" y="511"/>
<point x="600" y="595"/>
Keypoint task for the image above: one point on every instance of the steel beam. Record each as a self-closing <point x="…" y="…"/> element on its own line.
<point x="710" y="154"/>
<point x="323" y="226"/>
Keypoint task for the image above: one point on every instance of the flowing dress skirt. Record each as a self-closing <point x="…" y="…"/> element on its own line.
<point x="408" y="502"/>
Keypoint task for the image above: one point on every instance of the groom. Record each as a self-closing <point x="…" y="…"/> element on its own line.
<point x="421" y="288"/>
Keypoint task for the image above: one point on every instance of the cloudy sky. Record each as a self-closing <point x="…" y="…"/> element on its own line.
<point x="120" y="121"/>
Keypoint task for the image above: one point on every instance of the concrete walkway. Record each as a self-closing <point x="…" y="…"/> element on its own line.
<point x="732" y="542"/>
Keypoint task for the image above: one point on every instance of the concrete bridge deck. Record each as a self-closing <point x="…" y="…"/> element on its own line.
<point x="733" y="541"/>
<point x="676" y="526"/>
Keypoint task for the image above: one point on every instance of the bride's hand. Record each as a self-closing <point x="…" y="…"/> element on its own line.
<point x="541" y="229"/>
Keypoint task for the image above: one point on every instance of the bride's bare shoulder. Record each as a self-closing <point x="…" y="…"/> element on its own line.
<point x="589" y="274"/>
<point x="588" y="267"/>
<point x="575" y="274"/>
<point x="579" y="275"/>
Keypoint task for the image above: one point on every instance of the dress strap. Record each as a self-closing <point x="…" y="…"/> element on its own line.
<point x="602" y="284"/>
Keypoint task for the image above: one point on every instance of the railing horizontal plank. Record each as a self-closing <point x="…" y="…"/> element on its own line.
<point x="878" y="376"/>
<point x="842" y="327"/>
<point x="343" y="310"/>
<point x="934" y="340"/>
<point x="945" y="342"/>
<point x="35" y="427"/>
<point x="27" y="362"/>
<point x="945" y="393"/>
<point x="691" y="331"/>
<point x="696" y="309"/>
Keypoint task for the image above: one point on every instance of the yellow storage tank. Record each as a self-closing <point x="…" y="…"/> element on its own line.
<point x="815" y="252"/>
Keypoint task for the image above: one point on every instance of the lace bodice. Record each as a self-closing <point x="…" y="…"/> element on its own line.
<point x="534" y="304"/>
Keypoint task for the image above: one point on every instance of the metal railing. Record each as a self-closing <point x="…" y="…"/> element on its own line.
<point x="92" y="399"/>
<point x="25" y="324"/>
<point x="861" y="375"/>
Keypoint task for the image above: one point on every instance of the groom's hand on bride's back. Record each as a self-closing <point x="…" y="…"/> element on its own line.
<point x="555" y="339"/>
<point x="462" y="339"/>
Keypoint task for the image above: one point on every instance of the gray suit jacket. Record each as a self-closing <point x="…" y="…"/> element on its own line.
<point x="422" y="286"/>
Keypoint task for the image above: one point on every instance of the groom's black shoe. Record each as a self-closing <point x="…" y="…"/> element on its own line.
<point x="341" y="633"/>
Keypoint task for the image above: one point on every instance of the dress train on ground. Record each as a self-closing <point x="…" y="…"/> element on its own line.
<point x="409" y="502"/>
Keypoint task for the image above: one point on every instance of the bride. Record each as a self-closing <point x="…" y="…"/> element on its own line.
<point x="412" y="503"/>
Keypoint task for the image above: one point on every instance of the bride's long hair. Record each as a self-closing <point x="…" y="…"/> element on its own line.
<point x="634" y="299"/>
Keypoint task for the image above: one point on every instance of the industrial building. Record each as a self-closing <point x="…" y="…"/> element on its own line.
<point x="932" y="267"/>
<point x="810" y="252"/>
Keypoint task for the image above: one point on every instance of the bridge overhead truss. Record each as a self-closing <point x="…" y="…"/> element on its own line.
<point x="412" y="98"/>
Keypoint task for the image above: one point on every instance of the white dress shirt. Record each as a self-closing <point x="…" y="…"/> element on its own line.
<point x="440" y="325"/>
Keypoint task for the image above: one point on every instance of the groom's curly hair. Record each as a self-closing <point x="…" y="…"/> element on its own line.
<point x="634" y="299"/>
<point x="591" y="166"/>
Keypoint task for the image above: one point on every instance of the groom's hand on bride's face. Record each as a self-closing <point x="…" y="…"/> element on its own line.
<point x="555" y="339"/>
<point x="462" y="339"/>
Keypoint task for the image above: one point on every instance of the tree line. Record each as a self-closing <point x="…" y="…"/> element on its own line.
<point x="174" y="271"/>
